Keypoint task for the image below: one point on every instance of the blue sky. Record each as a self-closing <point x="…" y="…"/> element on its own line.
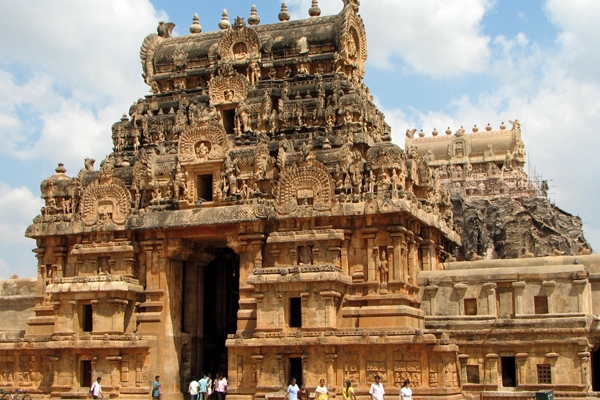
<point x="69" y="69"/>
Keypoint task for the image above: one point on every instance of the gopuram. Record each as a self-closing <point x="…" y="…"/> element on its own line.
<point x="254" y="219"/>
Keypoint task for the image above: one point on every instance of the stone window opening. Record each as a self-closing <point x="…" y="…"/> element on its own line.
<point x="473" y="374"/>
<point x="509" y="371"/>
<point x="229" y="120"/>
<point x="295" y="320"/>
<point x="205" y="187"/>
<point x="88" y="318"/>
<point x="540" y="304"/>
<point x="544" y="373"/>
<point x="470" y="306"/>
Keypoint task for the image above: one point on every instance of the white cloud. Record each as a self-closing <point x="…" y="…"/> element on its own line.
<point x="430" y="37"/>
<point x="74" y="66"/>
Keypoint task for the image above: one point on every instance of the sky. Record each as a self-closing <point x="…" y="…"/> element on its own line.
<point x="69" y="69"/>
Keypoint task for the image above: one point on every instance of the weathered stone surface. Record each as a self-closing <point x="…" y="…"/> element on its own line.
<point x="506" y="227"/>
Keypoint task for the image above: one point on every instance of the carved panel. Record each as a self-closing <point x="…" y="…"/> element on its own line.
<point x="203" y="143"/>
<point x="305" y="185"/>
<point x="227" y="89"/>
<point x="240" y="43"/>
<point x="105" y="203"/>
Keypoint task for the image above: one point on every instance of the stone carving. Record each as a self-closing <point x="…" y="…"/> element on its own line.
<point x="309" y="185"/>
<point x="229" y="88"/>
<point x="202" y="143"/>
<point x="240" y="43"/>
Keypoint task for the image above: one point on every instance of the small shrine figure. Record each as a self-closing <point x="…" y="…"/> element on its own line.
<point x="180" y="183"/>
<point x="382" y="266"/>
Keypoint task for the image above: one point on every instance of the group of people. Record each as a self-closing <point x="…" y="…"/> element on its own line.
<point x="205" y="387"/>
<point x="376" y="391"/>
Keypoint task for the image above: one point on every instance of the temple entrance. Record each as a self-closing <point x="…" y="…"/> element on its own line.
<point x="221" y="303"/>
<point x="596" y="369"/>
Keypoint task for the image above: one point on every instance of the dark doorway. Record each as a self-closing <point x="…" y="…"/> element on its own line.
<point x="295" y="370"/>
<point x="221" y="304"/>
<point x="509" y="372"/>
<point x="295" y="312"/>
<point x="86" y="373"/>
<point x="596" y="370"/>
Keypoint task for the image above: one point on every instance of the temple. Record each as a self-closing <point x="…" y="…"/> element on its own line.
<point x="254" y="219"/>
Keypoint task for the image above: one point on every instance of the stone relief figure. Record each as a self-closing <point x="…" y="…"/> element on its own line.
<point x="382" y="266"/>
<point x="305" y="255"/>
<point x="180" y="183"/>
<point x="253" y="72"/>
<point x="242" y="118"/>
<point x="230" y="172"/>
<point x="202" y="151"/>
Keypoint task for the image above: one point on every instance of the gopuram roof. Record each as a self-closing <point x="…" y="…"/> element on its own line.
<point x="249" y="123"/>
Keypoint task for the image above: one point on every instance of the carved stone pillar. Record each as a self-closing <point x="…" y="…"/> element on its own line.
<point x="427" y="250"/>
<point x="412" y="263"/>
<point x="329" y="298"/>
<point x="118" y="315"/>
<point x="518" y="288"/>
<point x="280" y="375"/>
<point x="579" y="285"/>
<point x="460" y="289"/>
<point x="96" y="322"/>
<point x="431" y="292"/>
<point x="397" y="273"/>
<point x="521" y="361"/>
<point x="329" y="359"/>
<point x="344" y="255"/>
<point x="258" y="359"/>
<point x="114" y="361"/>
<point x="369" y="236"/>
<point x="258" y="299"/>
<point x="584" y="362"/>
<point x="463" y="359"/>
<point x="492" y="369"/>
<point x="490" y="290"/>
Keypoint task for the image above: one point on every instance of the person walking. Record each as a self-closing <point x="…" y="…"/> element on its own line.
<point x="156" y="388"/>
<point x="348" y="392"/>
<point x="303" y="393"/>
<point x="96" y="389"/>
<point x="376" y="390"/>
<point x="321" y="392"/>
<point x="193" y="389"/>
<point x="202" y="387"/>
<point x="292" y="390"/>
<point x="406" y="391"/>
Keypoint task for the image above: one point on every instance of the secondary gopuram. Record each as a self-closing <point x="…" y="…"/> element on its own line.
<point x="254" y="219"/>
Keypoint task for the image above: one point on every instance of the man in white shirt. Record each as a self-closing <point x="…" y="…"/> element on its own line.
<point x="376" y="390"/>
<point x="193" y="389"/>
<point x="96" y="389"/>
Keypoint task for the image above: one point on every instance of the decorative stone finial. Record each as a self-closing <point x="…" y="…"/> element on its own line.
<point x="502" y="126"/>
<point x="448" y="131"/>
<point x="253" y="19"/>
<point x="284" y="15"/>
<point x="434" y="132"/>
<point x="61" y="168"/>
<point x="488" y="127"/>
<point x="314" y="10"/>
<point x="195" y="27"/>
<point x="475" y="129"/>
<point x="224" y="24"/>
<point x="421" y="133"/>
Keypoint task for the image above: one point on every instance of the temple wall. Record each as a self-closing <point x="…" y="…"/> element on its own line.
<point x="16" y="305"/>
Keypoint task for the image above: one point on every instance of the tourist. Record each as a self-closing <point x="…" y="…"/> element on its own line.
<point x="221" y="387"/>
<point x="193" y="389"/>
<point x="209" y="386"/>
<point x="376" y="390"/>
<point x="203" y="387"/>
<point x="405" y="391"/>
<point x="348" y="392"/>
<point x="292" y="390"/>
<point x="303" y="393"/>
<point x="96" y="389"/>
<point x="321" y="391"/>
<point x="156" y="388"/>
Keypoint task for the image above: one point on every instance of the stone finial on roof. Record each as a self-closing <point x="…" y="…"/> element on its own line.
<point x="448" y="131"/>
<point x="224" y="24"/>
<point x="314" y="10"/>
<point x="488" y="127"/>
<point x="253" y="19"/>
<point x="502" y="126"/>
<point x="284" y="15"/>
<point x="195" y="27"/>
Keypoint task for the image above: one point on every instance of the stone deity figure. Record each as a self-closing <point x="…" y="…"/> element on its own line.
<point x="382" y="266"/>
<point x="180" y="186"/>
